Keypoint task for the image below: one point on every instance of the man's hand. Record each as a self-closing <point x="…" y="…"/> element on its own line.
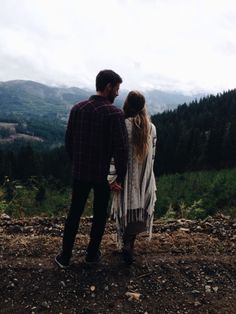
<point x="115" y="187"/>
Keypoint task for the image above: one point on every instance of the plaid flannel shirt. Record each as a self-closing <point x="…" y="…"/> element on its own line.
<point x="95" y="133"/>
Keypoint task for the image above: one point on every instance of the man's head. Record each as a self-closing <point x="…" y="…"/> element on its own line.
<point x="108" y="84"/>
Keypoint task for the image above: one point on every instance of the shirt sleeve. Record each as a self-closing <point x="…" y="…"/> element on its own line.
<point x="69" y="135"/>
<point x="154" y="141"/>
<point x="120" y="146"/>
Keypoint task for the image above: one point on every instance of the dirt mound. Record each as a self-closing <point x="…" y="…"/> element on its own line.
<point x="188" y="267"/>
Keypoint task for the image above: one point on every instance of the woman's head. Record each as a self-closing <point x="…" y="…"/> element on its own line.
<point x="134" y="104"/>
<point x="135" y="109"/>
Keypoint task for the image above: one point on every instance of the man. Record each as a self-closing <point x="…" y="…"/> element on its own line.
<point x="96" y="132"/>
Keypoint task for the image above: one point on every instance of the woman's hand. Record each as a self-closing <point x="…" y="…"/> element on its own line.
<point x="115" y="187"/>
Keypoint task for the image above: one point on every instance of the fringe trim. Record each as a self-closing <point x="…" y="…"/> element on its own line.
<point x="132" y="215"/>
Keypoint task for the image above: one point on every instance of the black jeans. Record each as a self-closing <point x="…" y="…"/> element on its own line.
<point x="80" y="192"/>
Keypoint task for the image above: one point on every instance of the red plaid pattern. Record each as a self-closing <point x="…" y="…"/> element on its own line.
<point x="95" y="133"/>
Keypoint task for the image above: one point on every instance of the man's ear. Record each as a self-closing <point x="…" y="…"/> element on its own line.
<point x="109" y="87"/>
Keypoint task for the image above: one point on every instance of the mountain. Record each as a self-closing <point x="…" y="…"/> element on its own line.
<point x="42" y="111"/>
<point x="20" y="96"/>
<point x="159" y="101"/>
<point x="193" y="137"/>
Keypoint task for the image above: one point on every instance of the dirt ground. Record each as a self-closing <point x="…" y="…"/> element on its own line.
<point x="188" y="267"/>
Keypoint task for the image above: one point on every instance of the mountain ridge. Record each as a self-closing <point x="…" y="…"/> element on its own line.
<point x="23" y="91"/>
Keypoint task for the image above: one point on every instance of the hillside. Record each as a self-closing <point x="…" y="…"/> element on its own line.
<point x="189" y="267"/>
<point x="33" y="106"/>
<point x="198" y="136"/>
<point x="20" y="96"/>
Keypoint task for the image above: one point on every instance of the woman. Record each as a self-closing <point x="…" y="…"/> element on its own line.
<point x="133" y="206"/>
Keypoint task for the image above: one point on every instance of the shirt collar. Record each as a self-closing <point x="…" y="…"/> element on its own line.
<point x="100" y="98"/>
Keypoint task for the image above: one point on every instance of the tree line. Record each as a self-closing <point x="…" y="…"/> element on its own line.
<point x="198" y="136"/>
<point x="26" y="162"/>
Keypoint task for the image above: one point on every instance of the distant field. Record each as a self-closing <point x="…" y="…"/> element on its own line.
<point x="20" y="136"/>
<point x="5" y="125"/>
<point x="12" y="134"/>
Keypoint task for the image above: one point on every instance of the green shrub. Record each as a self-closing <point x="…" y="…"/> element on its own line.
<point x="196" y="194"/>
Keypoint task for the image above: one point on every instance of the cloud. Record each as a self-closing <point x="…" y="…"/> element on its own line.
<point x="184" y="45"/>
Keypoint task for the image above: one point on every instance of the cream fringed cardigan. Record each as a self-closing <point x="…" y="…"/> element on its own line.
<point x="137" y="199"/>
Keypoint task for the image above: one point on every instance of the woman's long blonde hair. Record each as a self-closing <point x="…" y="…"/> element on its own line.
<point x="135" y="110"/>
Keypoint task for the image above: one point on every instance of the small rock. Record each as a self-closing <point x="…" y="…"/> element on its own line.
<point x="209" y="281"/>
<point x="116" y="285"/>
<point x="62" y="284"/>
<point x="5" y="217"/>
<point x="208" y="289"/>
<point x="199" y="228"/>
<point x="197" y="303"/>
<point x="184" y="229"/>
<point x="92" y="288"/>
<point x="106" y="288"/>
<point x="45" y="305"/>
<point x="215" y="289"/>
<point x="133" y="295"/>
<point x="209" y="224"/>
<point x="195" y="292"/>
<point x="11" y="286"/>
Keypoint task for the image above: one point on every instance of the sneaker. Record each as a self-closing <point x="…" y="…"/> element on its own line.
<point x="61" y="262"/>
<point x="127" y="257"/>
<point x="93" y="259"/>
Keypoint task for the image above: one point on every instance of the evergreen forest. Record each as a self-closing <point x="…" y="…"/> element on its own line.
<point x="196" y="153"/>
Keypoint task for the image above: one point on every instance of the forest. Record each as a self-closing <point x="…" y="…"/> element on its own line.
<point x="199" y="136"/>
<point x="194" y="139"/>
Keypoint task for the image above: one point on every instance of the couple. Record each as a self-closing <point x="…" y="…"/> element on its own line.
<point x="112" y="151"/>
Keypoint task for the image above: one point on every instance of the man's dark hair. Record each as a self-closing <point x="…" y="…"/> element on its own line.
<point x="105" y="77"/>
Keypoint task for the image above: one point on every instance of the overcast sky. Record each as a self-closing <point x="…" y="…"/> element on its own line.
<point x="182" y="45"/>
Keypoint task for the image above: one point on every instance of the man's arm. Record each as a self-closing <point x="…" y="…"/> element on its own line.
<point x="69" y="135"/>
<point x="120" y="147"/>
